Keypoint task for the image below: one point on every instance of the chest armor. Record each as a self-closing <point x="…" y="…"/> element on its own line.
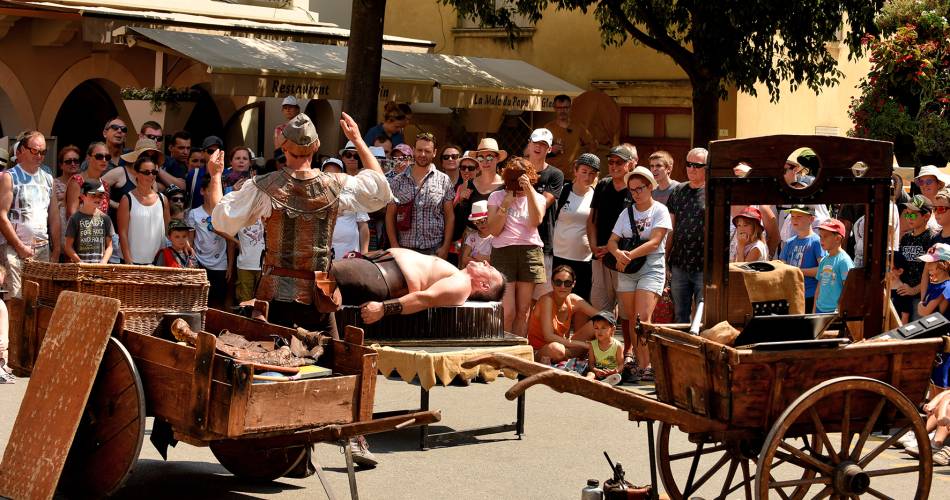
<point x="299" y="232"/>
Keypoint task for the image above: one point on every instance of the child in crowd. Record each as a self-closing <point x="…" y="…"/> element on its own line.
<point x="177" y="254"/>
<point x="478" y="243"/>
<point x="89" y="231"/>
<point x="606" y="353"/>
<point x="804" y="250"/>
<point x="210" y="247"/>
<point x="248" y="263"/>
<point x="938" y="286"/>
<point x="749" y="237"/>
<point x="908" y="269"/>
<point x="833" y="268"/>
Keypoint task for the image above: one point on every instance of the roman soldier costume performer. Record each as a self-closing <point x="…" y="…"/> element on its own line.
<point x="299" y="206"/>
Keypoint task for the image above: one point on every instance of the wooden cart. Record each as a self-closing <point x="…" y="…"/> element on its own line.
<point x="256" y="431"/>
<point x="780" y="423"/>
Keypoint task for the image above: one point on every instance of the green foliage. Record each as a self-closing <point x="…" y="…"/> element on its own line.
<point x="906" y="96"/>
<point x="169" y="96"/>
<point x="717" y="43"/>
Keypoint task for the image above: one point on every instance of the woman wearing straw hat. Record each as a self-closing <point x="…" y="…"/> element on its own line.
<point x="486" y="181"/>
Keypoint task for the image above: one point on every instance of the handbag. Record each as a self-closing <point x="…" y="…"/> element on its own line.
<point x="627" y="244"/>
<point x="404" y="210"/>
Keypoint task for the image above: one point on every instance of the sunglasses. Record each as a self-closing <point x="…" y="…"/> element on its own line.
<point x="348" y="155"/>
<point x="156" y="138"/>
<point x="148" y="172"/>
<point x="480" y="222"/>
<point x="939" y="209"/>
<point x="468" y="168"/>
<point x="450" y="157"/>
<point x="911" y="215"/>
<point x="485" y="158"/>
<point x="177" y="199"/>
<point x="37" y="152"/>
<point x="637" y="190"/>
<point x="925" y="182"/>
<point x="101" y="157"/>
<point x="120" y="128"/>
<point x="210" y="151"/>
<point x="692" y="164"/>
<point x="71" y="161"/>
<point x="563" y="283"/>
<point x="425" y="136"/>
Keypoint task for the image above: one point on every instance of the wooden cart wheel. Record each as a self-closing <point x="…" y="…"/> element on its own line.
<point x="110" y="434"/>
<point x="853" y="407"/>
<point x="245" y="459"/>
<point x="727" y="468"/>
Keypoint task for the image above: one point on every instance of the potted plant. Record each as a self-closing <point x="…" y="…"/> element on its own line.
<point x="168" y="106"/>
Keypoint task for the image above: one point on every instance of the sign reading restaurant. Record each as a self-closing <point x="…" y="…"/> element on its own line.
<point x="326" y="88"/>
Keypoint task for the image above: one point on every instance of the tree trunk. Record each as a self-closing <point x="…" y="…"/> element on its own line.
<point x="363" y="59"/>
<point x="705" y="114"/>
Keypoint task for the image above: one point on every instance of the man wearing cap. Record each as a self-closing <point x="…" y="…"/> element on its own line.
<point x="299" y="206"/>
<point x="29" y="213"/>
<point x="570" y="139"/>
<point x="611" y="197"/>
<point x="687" y="204"/>
<point x="550" y="184"/>
<point x="290" y="108"/>
<point x="422" y="216"/>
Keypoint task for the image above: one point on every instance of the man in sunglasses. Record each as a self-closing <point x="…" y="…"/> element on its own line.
<point x="29" y="213"/>
<point x="687" y="204"/>
<point x="114" y="133"/>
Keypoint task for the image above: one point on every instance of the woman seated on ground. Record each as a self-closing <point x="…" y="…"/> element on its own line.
<point x="553" y="317"/>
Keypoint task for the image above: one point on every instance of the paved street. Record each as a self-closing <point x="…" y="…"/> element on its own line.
<point x="562" y="449"/>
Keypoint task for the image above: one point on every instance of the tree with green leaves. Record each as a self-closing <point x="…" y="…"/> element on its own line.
<point x="905" y="98"/>
<point x="718" y="44"/>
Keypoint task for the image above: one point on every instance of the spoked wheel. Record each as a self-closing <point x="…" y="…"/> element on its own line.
<point x="110" y="433"/>
<point x="724" y="468"/>
<point x="246" y="459"/>
<point x="854" y="407"/>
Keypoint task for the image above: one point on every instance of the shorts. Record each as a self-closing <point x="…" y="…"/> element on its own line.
<point x="546" y="286"/>
<point x="246" y="284"/>
<point x="651" y="277"/>
<point x="524" y="263"/>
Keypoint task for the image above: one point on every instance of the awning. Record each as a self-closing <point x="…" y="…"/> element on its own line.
<point x="266" y="68"/>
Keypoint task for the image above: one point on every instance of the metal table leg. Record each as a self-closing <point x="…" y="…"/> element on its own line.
<point x="519" y="423"/>
<point x="350" y="471"/>
<point x="424" y="429"/>
<point x="651" y="445"/>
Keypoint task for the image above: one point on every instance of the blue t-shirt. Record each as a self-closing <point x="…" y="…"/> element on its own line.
<point x="935" y="290"/>
<point x="377" y="131"/>
<point x="804" y="253"/>
<point x="193" y="186"/>
<point x="832" y="271"/>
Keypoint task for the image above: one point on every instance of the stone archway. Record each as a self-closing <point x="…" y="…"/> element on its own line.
<point x="83" y="113"/>
<point x="97" y="67"/>
<point x="16" y="112"/>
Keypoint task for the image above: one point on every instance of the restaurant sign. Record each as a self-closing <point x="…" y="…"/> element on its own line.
<point x="496" y="100"/>
<point x="317" y="88"/>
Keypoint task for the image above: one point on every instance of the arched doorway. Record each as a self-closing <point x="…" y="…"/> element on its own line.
<point x="205" y="120"/>
<point x="84" y="112"/>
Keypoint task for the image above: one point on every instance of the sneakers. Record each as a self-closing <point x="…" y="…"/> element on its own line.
<point x="942" y="455"/>
<point x="914" y="450"/>
<point x="908" y="440"/>
<point x="612" y="379"/>
<point x="631" y="371"/>
<point x="6" y="378"/>
<point x="361" y="454"/>
<point x="647" y="375"/>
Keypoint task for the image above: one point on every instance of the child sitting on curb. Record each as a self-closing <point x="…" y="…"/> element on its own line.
<point x="606" y="353"/>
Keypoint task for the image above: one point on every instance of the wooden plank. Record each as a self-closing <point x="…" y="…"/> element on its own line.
<point x="201" y="382"/>
<point x="16" y="355"/>
<point x="241" y="390"/>
<point x="300" y="404"/>
<point x="54" y="401"/>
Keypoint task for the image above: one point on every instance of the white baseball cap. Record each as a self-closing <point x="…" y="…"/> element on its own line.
<point x="290" y="101"/>
<point x="542" y="135"/>
<point x="377" y="151"/>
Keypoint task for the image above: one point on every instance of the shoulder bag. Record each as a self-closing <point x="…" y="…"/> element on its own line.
<point x="627" y="244"/>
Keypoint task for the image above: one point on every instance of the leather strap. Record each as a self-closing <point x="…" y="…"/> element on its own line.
<point x="392" y="275"/>
<point x="286" y="272"/>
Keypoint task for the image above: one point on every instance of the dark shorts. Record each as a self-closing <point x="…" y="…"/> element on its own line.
<point x="523" y="263"/>
<point x="359" y="281"/>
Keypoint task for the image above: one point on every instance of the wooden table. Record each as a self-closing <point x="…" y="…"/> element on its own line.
<point x="443" y="363"/>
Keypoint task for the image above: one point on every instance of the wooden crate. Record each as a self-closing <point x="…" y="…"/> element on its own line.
<point x="748" y="389"/>
<point x="146" y="292"/>
<point x="207" y="396"/>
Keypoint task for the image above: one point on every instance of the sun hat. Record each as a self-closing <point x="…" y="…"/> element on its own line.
<point x="348" y="147"/>
<point x="333" y="161"/>
<point x="934" y="171"/>
<point x="468" y="156"/>
<point x="641" y="172"/>
<point x="489" y="144"/>
<point x="300" y="131"/>
<point x="142" y="145"/>
<point x="479" y="210"/>
<point x="918" y="203"/>
<point x="939" y="252"/>
<point x="833" y="225"/>
<point x="403" y="148"/>
<point x="751" y="213"/>
<point x="542" y="135"/>
<point x="377" y="151"/>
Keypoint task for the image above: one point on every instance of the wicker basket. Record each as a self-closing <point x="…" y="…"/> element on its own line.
<point x="146" y="292"/>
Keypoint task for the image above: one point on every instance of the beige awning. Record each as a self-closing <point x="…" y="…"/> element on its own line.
<point x="268" y="68"/>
